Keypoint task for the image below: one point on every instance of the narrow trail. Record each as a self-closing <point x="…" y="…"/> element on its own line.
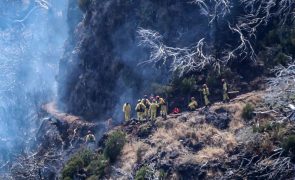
<point x="52" y="110"/>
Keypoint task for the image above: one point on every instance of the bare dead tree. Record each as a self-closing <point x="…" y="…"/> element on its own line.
<point x="258" y="13"/>
<point x="271" y="167"/>
<point x="244" y="49"/>
<point x="214" y="9"/>
<point x="281" y="88"/>
<point x="261" y="12"/>
<point x="181" y="60"/>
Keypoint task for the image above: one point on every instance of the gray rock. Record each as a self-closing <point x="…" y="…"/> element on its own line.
<point x="219" y="120"/>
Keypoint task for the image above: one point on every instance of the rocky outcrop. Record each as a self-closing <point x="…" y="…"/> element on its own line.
<point x="58" y="137"/>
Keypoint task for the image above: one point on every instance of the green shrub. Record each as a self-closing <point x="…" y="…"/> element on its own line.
<point x="188" y="85"/>
<point x="162" y="174"/>
<point x="114" y="145"/>
<point x="263" y="128"/>
<point x="247" y="112"/>
<point x="97" y="167"/>
<point x="143" y="173"/>
<point x="162" y="90"/>
<point x="93" y="178"/>
<point x="289" y="145"/>
<point x="86" y="155"/>
<point x="72" y="167"/>
<point x="212" y="79"/>
<point x="83" y="4"/>
<point x="77" y="162"/>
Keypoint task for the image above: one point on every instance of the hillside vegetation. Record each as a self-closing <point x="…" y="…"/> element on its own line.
<point x="222" y="142"/>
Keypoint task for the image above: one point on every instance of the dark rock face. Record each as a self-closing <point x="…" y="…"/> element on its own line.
<point x="145" y="130"/>
<point x="219" y="120"/>
<point x="190" y="171"/>
<point x="100" y="71"/>
<point x="192" y="145"/>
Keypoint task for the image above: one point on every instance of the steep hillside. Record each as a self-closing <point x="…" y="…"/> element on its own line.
<point x="225" y="141"/>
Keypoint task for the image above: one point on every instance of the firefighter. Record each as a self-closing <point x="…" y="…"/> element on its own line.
<point x="90" y="137"/>
<point x="153" y="109"/>
<point x="163" y="107"/>
<point x="206" y="93"/>
<point x="225" y="91"/>
<point x="90" y="140"/>
<point x="140" y="109"/>
<point x="127" y="111"/>
<point x="147" y="104"/>
<point x="193" y="104"/>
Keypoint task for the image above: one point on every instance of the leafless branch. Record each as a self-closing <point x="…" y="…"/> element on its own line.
<point x="181" y="60"/>
<point x="261" y="12"/>
<point x="281" y="88"/>
<point x="243" y="50"/>
<point x="214" y="9"/>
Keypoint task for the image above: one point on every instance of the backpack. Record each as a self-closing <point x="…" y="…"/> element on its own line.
<point x="140" y="108"/>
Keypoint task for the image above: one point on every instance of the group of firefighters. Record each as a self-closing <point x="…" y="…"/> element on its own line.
<point x="147" y="108"/>
<point x="150" y="108"/>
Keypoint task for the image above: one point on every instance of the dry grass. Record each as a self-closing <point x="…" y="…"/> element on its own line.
<point x="163" y="137"/>
<point x="129" y="154"/>
<point x="214" y="137"/>
<point x="209" y="154"/>
<point x="167" y="140"/>
<point x="236" y="107"/>
<point x="169" y="132"/>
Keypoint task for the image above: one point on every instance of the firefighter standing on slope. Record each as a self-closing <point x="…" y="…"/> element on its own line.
<point x="147" y="104"/>
<point x="90" y="140"/>
<point x="193" y="104"/>
<point x="163" y="107"/>
<point x="225" y="91"/>
<point x="140" y="109"/>
<point x="153" y="109"/>
<point x="206" y="93"/>
<point x="127" y="111"/>
<point x="90" y="137"/>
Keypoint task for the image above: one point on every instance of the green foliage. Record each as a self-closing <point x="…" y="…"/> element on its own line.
<point x="143" y="173"/>
<point x="67" y="178"/>
<point x="72" y="167"/>
<point x="162" y="174"/>
<point x="95" y="165"/>
<point x="93" y="177"/>
<point x="289" y="145"/>
<point x="114" y="145"/>
<point x="281" y="58"/>
<point x="247" y="112"/>
<point x="83" y="4"/>
<point x="187" y="85"/>
<point x="77" y="162"/>
<point x="212" y="79"/>
<point x="87" y="156"/>
<point x="162" y="90"/>
<point x="263" y="128"/>
<point x="97" y="168"/>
